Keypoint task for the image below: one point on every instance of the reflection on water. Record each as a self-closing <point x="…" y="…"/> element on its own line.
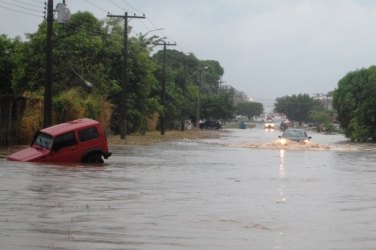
<point x="196" y="194"/>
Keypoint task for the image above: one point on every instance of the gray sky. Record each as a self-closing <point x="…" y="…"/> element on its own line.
<point x="268" y="48"/>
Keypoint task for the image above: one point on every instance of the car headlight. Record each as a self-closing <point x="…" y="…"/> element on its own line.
<point x="283" y="141"/>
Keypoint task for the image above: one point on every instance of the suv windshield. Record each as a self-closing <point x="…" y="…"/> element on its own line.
<point x="43" y="140"/>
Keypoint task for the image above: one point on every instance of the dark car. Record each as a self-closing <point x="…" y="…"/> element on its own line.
<point x="294" y="135"/>
<point x="211" y="124"/>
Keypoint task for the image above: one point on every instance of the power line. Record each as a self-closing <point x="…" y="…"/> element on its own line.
<point x="19" y="11"/>
<point x="18" y="6"/>
<point x="96" y="6"/>
<point x="117" y="5"/>
<point x="31" y="5"/>
<point x="140" y="12"/>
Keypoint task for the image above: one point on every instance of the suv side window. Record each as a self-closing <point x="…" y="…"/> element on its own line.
<point x="64" y="140"/>
<point x="88" y="134"/>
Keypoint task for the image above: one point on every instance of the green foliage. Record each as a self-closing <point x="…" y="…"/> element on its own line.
<point x="321" y="117"/>
<point x="182" y="88"/>
<point x="249" y="109"/>
<point x="10" y="58"/>
<point x="355" y="103"/>
<point x="86" y="49"/>
<point x="219" y="107"/>
<point x="295" y="107"/>
<point x="319" y="114"/>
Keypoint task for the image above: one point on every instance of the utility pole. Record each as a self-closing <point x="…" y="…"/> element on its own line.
<point x="48" y="78"/>
<point x="199" y="96"/>
<point x="47" y="102"/>
<point x="163" y="95"/>
<point x="124" y="80"/>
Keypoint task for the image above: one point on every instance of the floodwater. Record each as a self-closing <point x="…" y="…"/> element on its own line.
<point x="240" y="191"/>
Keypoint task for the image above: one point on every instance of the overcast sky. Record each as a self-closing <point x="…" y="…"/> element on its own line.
<point x="268" y="48"/>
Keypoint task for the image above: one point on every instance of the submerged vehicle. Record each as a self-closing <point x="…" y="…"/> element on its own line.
<point x="294" y="135"/>
<point x="81" y="140"/>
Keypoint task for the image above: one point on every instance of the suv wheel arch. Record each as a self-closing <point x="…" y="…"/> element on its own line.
<point x="93" y="156"/>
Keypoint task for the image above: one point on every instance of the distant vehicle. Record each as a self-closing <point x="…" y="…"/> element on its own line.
<point x="286" y="124"/>
<point x="269" y="125"/>
<point x="294" y="135"/>
<point x="242" y="125"/>
<point x="81" y="140"/>
<point x="211" y="124"/>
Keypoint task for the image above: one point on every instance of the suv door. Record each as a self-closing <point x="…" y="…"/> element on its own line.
<point x="64" y="148"/>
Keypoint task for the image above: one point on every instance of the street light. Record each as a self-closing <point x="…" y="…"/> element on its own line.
<point x="148" y="41"/>
<point x="199" y="96"/>
<point x="144" y="35"/>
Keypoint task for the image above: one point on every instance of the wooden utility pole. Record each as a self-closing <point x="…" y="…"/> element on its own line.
<point x="124" y="80"/>
<point x="48" y="81"/>
<point x="163" y="94"/>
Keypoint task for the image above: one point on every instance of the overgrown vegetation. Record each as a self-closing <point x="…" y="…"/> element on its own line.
<point x="87" y="73"/>
<point x="304" y="109"/>
<point x="355" y="101"/>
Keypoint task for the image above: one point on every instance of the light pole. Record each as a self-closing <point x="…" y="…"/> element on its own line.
<point x="199" y="96"/>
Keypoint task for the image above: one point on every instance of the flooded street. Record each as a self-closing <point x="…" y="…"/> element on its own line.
<point x="240" y="191"/>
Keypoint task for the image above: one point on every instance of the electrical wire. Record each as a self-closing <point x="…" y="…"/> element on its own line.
<point x="117" y="5"/>
<point x="21" y="7"/>
<point x="31" y="5"/>
<point x="36" y="1"/>
<point x="96" y="6"/>
<point x="131" y="6"/>
<point x="19" y="11"/>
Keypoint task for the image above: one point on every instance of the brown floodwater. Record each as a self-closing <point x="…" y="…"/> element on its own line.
<point x="241" y="191"/>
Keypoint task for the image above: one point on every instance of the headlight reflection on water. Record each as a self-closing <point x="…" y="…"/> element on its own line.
<point x="281" y="175"/>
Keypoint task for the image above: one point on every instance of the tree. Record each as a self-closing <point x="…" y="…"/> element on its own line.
<point x="295" y="107"/>
<point x="249" y="109"/>
<point x="87" y="70"/>
<point x="355" y="103"/>
<point x="182" y="88"/>
<point x="7" y="65"/>
<point x="321" y="118"/>
<point x="218" y="107"/>
<point x="10" y="100"/>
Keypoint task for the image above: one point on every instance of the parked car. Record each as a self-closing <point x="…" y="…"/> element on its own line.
<point x="294" y="135"/>
<point x="211" y="124"/>
<point x="81" y="140"/>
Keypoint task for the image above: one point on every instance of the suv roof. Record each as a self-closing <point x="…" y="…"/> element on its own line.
<point x="69" y="126"/>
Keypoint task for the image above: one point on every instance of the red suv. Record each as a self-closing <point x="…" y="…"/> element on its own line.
<point x="81" y="140"/>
